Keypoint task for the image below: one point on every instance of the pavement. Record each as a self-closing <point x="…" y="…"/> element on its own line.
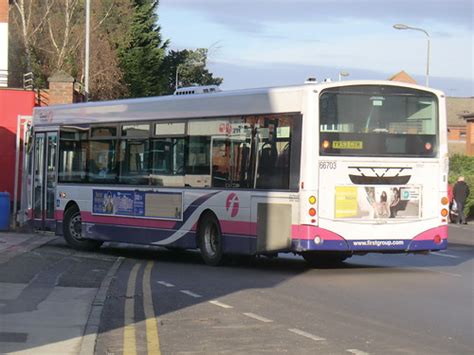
<point x="466" y="235"/>
<point x="41" y="310"/>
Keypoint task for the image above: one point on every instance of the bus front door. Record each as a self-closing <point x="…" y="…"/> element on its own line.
<point x="44" y="179"/>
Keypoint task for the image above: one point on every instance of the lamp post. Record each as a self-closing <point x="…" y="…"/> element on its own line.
<point x="401" y="26"/>
<point x="343" y="73"/>
<point x="177" y="76"/>
<point x="87" y="45"/>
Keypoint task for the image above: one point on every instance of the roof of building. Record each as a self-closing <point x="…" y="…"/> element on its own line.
<point x="403" y="77"/>
<point x="457" y="108"/>
<point x="469" y="117"/>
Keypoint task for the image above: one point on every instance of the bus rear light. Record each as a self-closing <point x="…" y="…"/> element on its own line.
<point x="437" y="239"/>
<point x="318" y="240"/>
<point x="312" y="212"/>
<point x="444" y="200"/>
<point x="444" y="212"/>
<point x="313" y="221"/>
<point x="325" y="144"/>
<point x="312" y="200"/>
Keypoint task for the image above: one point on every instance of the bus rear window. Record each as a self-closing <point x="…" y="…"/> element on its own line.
<point x="378" y="121"/>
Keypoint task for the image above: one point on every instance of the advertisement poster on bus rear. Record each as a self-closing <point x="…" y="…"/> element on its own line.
<point x="374" y="202"/>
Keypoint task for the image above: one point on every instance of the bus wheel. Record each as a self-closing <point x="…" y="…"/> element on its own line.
<point x="316" y="259"/>
<point x="210" y="240"/>
<point x="73" y="231"/>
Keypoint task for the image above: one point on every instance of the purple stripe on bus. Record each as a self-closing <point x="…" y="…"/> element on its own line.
<point x="192" y="207"/>
<point x="327" y="245"/>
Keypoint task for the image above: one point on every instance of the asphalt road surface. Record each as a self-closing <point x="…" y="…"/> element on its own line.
<point x="138" y="300"/>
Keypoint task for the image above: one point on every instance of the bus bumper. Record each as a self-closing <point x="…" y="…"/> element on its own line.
<point x="319" y="239"/>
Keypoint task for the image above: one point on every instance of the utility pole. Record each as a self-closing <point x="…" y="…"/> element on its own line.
<point x="87" y="45"/>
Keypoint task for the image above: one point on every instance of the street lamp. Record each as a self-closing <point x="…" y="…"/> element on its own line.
<point x="400" y="26"/>
<point x="87" y="49"/>
<point x="343" y="73"/>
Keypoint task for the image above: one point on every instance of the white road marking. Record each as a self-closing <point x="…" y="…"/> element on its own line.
<point x="220" y="304"/>
<point x="165" y="284"/>
<point x="445" y="273"/>
<point x="189" y="293"/>
<point x="435" y="271"/>
<point x="257" y="317"/>
<point x="445" y="255"/>
<point x="305" y="334"/>
<point x="357" y="352"/>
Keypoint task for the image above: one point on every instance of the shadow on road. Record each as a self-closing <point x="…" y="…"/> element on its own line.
<point x="186" y="271"/>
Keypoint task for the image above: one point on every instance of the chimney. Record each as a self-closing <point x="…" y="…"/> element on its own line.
<point x="61" y="88"/>
<point x="4" y="43"/>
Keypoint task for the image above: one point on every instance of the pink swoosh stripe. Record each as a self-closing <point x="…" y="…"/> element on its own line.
<point x="135" y="222"/>
<point x="442" y="231"/>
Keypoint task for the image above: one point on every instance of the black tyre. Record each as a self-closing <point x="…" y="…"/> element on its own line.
<point x="317" y="259"/>
<point x="210" y="240"/>
<point x="73" y="231"/>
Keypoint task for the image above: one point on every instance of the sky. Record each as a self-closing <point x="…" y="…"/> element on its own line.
<point x="261" y="43"/>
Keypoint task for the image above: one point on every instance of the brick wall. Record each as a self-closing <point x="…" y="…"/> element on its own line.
<point x="457" y="134"/>
<point x="4" y="11"/>
<point x="61" y="89"/>
<point x="60" y="93"/>
<point x="470" y="137"/>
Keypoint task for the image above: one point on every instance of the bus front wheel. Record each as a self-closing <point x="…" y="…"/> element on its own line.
<point x="73" y="231"/>
<point x="210" y="240"/>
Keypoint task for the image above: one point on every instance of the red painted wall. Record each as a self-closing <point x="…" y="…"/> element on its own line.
<point x="12" y="104"/>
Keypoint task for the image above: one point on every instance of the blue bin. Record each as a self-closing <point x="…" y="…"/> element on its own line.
<point x="4" y="211"/>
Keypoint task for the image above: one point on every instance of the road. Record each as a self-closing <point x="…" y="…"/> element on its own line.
<point x="138" y="300"/>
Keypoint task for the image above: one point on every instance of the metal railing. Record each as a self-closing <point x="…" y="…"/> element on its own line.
<point x="3" y="78"/>
<point x="28" y="81"/>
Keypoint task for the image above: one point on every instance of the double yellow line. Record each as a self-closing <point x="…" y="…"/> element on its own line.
<point x="129" y="333"/>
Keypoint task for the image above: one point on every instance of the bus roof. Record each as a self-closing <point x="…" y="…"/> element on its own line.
<point x="222" y="103"/>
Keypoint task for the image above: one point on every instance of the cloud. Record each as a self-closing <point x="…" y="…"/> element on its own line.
<point x="253" y="15"/>
<point x="248" y="75"/>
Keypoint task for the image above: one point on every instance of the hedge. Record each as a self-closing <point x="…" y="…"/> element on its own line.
<point x="462" y="165"/>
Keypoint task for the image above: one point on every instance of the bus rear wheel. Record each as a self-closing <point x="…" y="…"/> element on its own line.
<point x="73" y="231"/>
<point x="317" y="259"/>
<point x="210" y="240"/>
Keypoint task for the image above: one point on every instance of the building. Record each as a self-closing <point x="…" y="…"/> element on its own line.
<point x="469" y="133"/>
<point x="403" y="77"/>
<point x="12" y="104"/>
<point x="458" y="110"/>
<point x="3" y="43"/>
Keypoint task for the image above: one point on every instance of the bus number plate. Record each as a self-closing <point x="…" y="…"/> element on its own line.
<point x="327" y="165"/>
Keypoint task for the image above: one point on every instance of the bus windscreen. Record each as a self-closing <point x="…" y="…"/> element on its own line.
<point x="374" y="120"/>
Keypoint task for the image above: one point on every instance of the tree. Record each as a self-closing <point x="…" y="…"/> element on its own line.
<point x="110" y="22"/>
<point x="49" y="36"/>
<point x="142" y="54"/>
<point x="127" y="57"/>
<point x="190" y="65"/>
<point x="28" y="18"/>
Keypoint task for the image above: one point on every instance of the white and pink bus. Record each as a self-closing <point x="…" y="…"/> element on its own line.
<point x="324" y="170"/>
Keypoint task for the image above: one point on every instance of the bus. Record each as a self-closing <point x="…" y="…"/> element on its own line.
<point x="323" y="170"/>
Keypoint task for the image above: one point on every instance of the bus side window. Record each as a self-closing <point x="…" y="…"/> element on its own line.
<point x="134" y="162"/>
<point x="273" y="163"/>
<point x="102" y="161"/>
